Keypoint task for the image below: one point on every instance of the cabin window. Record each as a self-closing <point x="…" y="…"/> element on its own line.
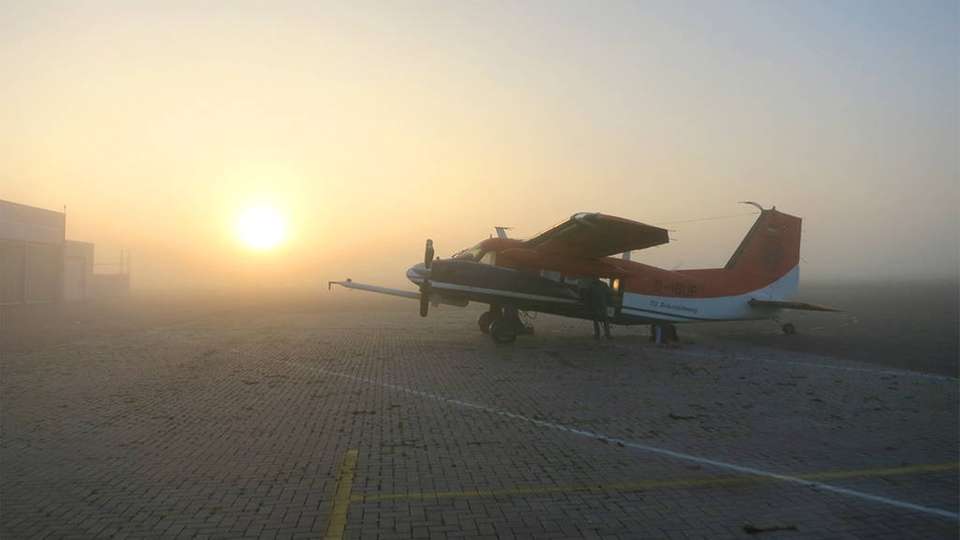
<point x="552" y="275"/>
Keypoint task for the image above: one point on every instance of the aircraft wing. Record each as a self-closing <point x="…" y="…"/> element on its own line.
<point x="597" y="235"/>
<point x="791" y="305"/>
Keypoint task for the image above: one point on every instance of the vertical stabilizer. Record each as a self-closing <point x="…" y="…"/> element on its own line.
<point x="769" y="252"/>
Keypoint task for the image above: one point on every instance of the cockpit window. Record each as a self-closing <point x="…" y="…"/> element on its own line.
<point x="471" y="254"/>
<point x="477" y="253"/>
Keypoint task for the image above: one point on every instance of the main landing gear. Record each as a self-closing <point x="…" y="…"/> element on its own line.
<point x="486" y="319"/>
<point x="503" y="324"/>
<point x="664" y="335"/>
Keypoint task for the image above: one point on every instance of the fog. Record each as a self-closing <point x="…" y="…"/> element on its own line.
<point x="370" y="127"/>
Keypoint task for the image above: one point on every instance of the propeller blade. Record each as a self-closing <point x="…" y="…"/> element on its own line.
<point x="428" y="253"/>
<point x="424" y="298"/>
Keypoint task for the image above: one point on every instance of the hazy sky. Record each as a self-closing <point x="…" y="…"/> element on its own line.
<point x="371" y="127"/>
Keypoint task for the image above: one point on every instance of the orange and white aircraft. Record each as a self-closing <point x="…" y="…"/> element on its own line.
<point x="542" y="275"/>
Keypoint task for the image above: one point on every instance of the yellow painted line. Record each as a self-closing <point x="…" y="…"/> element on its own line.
<point x="341" y="500"/>
<point x="634" y="445"/>
<point x="652" y="484"/>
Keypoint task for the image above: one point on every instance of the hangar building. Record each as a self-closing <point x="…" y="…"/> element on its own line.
<point x="37" y="263"/>
<point x="31" y="254"/>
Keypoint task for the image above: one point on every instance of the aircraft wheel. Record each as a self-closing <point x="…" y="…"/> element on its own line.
<point x="789" y="329"/>
<point x="503" y="331"/>
<point x="486" y="319"/>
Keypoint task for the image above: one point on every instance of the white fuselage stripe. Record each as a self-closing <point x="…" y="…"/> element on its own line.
<point x="651" y="449"/>
<point x="721" y="308"/>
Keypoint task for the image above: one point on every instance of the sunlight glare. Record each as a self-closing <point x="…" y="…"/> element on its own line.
<point x="261" y="228"/>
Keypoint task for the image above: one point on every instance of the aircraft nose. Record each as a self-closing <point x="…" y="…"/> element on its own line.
<point x="417" y="273"/>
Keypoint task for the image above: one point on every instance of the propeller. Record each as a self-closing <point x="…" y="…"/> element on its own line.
<point x="428" y="254"/>
<point x="425" y="284"/>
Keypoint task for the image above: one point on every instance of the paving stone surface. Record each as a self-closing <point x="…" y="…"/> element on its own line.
<point x="237" y="425"/>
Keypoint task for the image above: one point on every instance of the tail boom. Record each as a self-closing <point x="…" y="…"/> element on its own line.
<point x="734" y="307"/>
<point x="760" y="278"/>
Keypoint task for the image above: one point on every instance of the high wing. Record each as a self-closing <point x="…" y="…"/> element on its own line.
<point x="594" y="235"/>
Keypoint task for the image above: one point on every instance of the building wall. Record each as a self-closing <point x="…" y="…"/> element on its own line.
<point x="77" y="270"/>
<point x="12" y="260"/>
<point x="31" y="254"/>
<point x="29" y="224"/>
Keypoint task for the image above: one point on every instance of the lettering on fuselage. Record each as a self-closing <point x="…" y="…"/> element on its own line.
<point x="675" y="288"/>
<point x="677" y="307"/>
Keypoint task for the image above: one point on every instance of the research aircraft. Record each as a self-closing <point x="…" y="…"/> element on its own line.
<point x="545" y="274"/>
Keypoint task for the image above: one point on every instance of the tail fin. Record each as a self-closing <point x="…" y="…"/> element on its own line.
<point x="770" y="251"/>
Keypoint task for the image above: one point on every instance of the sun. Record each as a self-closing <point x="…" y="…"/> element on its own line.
<point x="261" y="228"/>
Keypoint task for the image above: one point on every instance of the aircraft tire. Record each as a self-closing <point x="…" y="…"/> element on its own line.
<point x="503" y="331"/>
<point x="486" y="319"/>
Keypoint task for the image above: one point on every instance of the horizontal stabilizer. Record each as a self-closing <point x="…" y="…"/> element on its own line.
<point x="791" y="305"/>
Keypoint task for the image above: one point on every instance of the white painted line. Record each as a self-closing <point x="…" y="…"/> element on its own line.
<point x="898" y="372"/>
<point x="647" y="448"/>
